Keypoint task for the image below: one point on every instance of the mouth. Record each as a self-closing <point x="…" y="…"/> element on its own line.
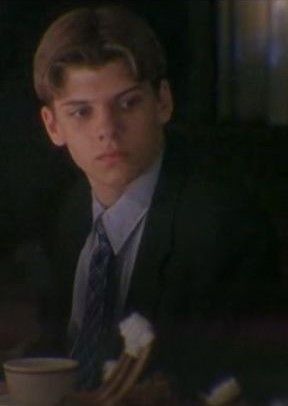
<point x="111" y="157"/>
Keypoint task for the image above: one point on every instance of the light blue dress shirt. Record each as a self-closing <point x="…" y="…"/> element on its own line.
<point x="124" y="223"/>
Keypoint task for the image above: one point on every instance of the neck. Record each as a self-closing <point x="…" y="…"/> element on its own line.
<point x="107" y="196"/>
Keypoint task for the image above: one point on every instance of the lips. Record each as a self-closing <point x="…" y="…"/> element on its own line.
<point x="111" y="156"/>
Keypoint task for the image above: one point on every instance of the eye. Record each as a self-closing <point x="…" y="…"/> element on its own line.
<point x="128" y="103"/>
<point x="81" y="112"/>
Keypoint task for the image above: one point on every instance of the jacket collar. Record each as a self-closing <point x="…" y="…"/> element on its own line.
<point x="157" y="242"/>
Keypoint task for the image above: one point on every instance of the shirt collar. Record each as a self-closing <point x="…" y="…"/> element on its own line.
<point x="121" y="219"/>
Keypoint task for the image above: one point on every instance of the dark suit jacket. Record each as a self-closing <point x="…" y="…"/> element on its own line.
<point x="205" y="262"/>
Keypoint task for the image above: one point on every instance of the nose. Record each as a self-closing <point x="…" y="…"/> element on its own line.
<point x="107" y="124"/>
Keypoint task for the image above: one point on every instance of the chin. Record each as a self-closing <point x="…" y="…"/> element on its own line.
<point x="119" y="183"/>
<point x="115" y="178"/>
<point x="121" y="180"/>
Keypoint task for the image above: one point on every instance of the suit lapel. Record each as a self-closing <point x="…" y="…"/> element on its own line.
<point x="157" y="241"/>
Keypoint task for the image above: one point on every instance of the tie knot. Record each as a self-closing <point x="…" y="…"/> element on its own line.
<point x="101" y="233"/>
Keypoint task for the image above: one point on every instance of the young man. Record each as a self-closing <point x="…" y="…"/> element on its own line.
<point x="178" y="244"/>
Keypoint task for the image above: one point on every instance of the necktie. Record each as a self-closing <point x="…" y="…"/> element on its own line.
<point x="98" y="314"/>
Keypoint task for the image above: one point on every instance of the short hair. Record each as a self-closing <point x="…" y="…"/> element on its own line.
<point x="94" y="37"/>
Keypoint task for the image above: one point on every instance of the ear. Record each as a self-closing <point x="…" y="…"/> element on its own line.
<point x="165" y="102"/>
<point x="50" y="122"/>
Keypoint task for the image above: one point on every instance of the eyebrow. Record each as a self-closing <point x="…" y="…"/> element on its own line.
<point x="117" y="96"/>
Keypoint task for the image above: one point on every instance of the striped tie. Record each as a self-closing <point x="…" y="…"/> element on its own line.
<point x="98" y="312"/>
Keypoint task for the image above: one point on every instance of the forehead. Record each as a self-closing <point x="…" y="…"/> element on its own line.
<point x="107" y="80"/>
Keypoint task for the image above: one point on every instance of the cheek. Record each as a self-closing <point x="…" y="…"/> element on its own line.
<point x="73" y="135"/>
<point x="146" y="127"/>
<point x="79" y="149"/>
<point x="146" y="145"/>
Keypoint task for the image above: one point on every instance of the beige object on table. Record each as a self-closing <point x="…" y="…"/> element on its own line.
<point x="40" y="381"/>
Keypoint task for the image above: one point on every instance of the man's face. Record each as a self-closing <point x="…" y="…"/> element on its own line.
<point x="111" y="124"/>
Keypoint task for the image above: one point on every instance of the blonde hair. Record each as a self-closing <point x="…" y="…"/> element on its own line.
<point x="94" y="37"/>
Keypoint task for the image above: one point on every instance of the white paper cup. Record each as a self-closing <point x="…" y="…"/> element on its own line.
<point x="40" y="381"/>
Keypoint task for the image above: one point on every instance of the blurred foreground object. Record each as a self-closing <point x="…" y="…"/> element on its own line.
<point x="227" y="392"/>
<point x="138" y="338"/>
